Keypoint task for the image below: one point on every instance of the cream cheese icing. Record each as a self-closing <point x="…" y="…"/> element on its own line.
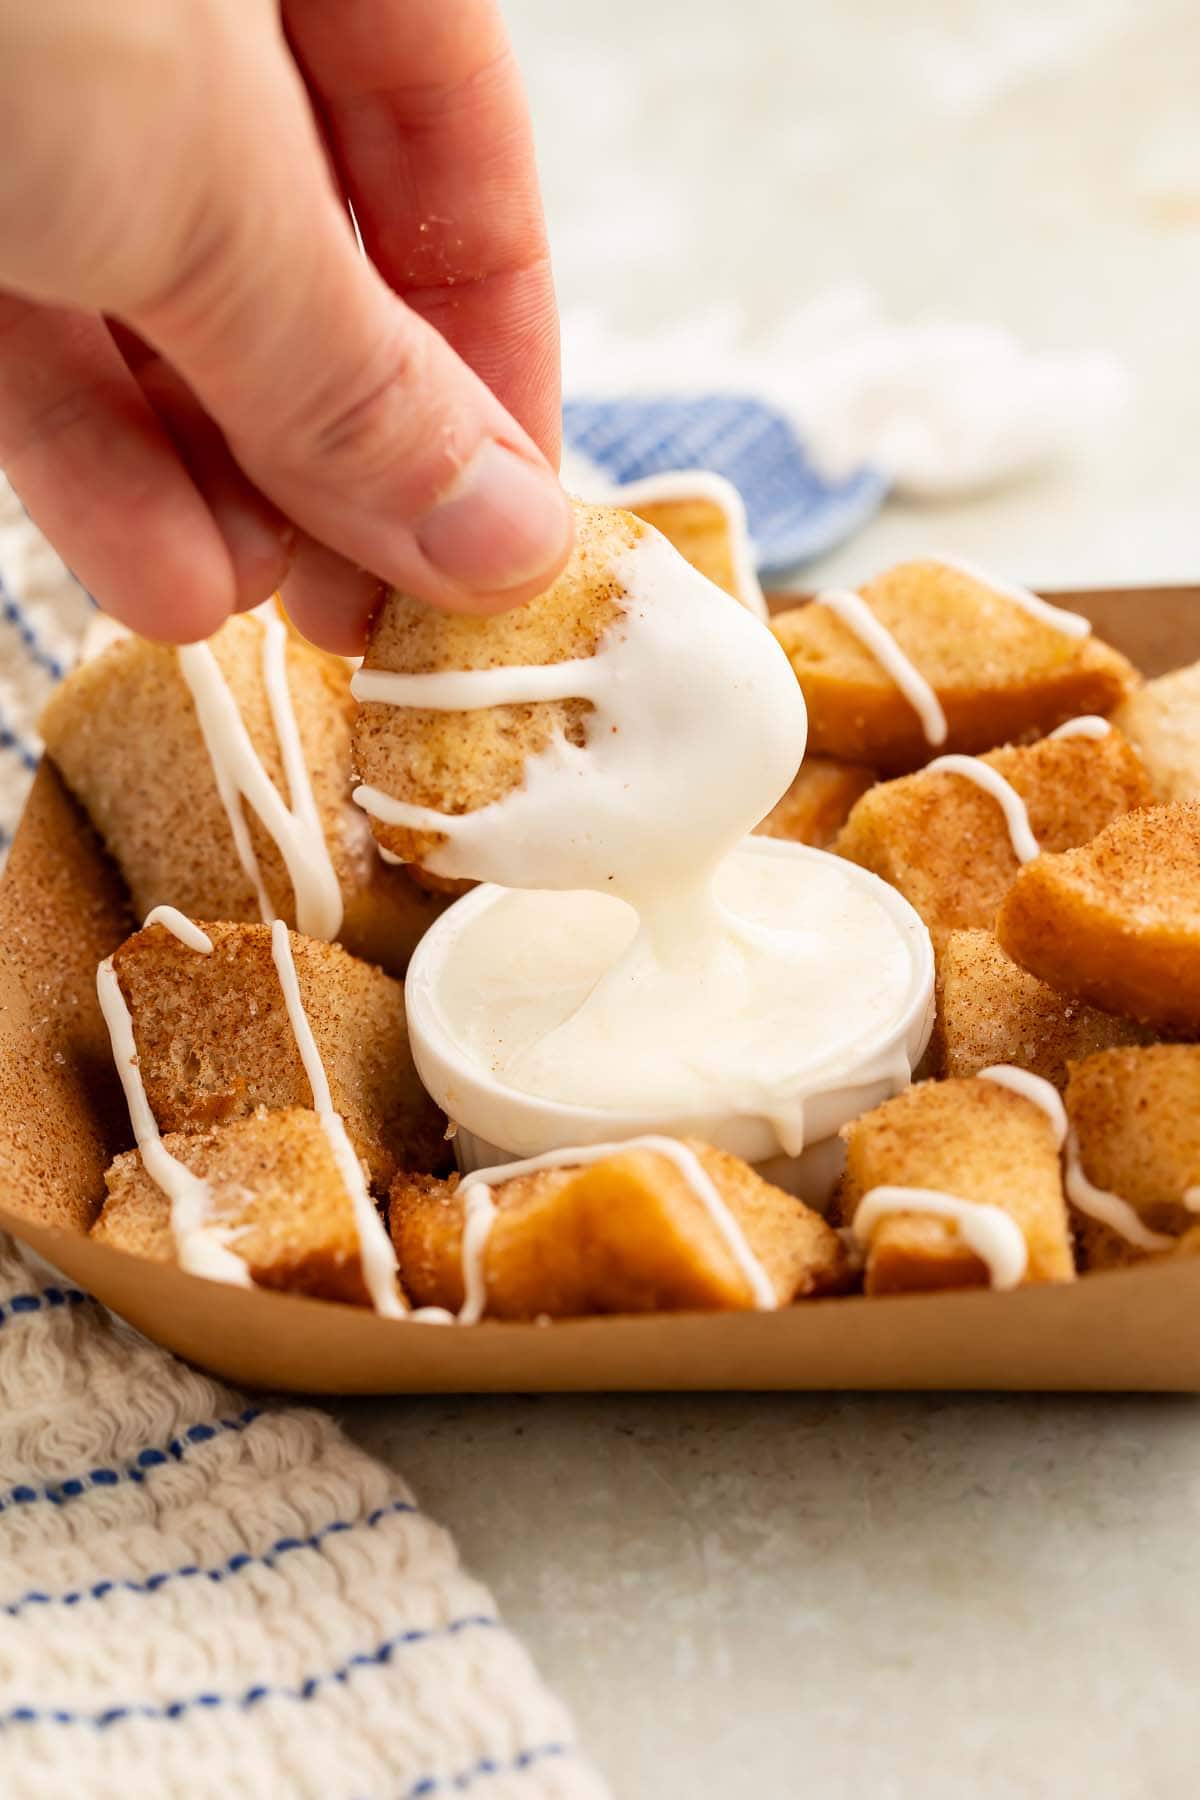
<point x="989" y="1231"/>
<point x="698" y="727"/>
<point x="1016" y="814"/>
<point x="242" y="780"/>
<point x="1071" y="624"/>
<point x="201" y="1247"/>
<point x="481" y="1212"/>
<point x="669" y="970"/>
<point x="873" y="634"/>
<point x="704" y="484"/>
<point x="1107" y="1208"/>
<point x="375" y="1247"/>
<point x="1034" y="1088"/>
<point x="562" y="996"/>
<point x="1087" y="725"/>
<point x="993" y="1234"/>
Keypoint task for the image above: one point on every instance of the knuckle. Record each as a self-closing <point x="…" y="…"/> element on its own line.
<point x="371" y="416"/>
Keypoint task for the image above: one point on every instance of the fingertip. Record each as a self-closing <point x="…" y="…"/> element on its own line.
<point x="328" y="599"/>
<point x="174" y="610"/>
<point x="261" y="554"/>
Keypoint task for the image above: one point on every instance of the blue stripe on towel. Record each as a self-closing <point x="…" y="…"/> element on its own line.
<point x="51" y="1299"/>
<point x="15" y="614"/>
<point x="487" y="1765"/>
<point x="243" y="1559"/>
<point x="171" y="1710"/>
<point x="58" y="1492"/>
<point x="9" y="740"/>
<point x="795" y="513"/>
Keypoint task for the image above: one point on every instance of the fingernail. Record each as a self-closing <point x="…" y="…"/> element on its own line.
<point x="505" y="522"/>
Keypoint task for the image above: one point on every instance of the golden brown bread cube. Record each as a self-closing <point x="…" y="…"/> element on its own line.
<point x="1117" y="923"/>
<point x="704" y="534"/>
<point x="124" y="732"/>
<point x="457" y="762"/>
<point x="998" y="673"/>
<point x="1135" y="1115"/>
<point x="818" y="803"/>
<point x="628" y="1234"/>
<point x="990" y="1011"/>
<point x="275" y="1187"/>
<point x="945" y="843"/>
<point x="1162" y="721"/>
<point x="974" y="1140"/>
<point x="214" y="1040"/>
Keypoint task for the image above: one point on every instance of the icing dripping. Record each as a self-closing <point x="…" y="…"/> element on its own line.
<point x="1087" y="725"/>
<point x="1109" y="1209"/>
<point x="1071" y="624"/>
<point x="180" y="926"/>
<point x="199" y="1246"/>
<point x="1016" y="815"/>
<point x="242" y="780"/>
<point x="1034" y="1088"/>
<point x="705" y="484"/>
<point x="375" y="1248"/>
<point x="623" y="812"/>
<point x="480" y="1213"/>
<point x="874" y="635"/>
<point x="995" y="1238"/>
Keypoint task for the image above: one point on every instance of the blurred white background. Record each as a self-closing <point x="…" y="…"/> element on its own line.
<point x="1031" y="164"/>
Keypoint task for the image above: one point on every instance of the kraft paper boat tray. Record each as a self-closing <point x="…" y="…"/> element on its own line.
<point x="62" y="908"/>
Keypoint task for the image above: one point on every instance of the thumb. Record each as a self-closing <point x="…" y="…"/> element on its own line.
<point x="341" y="404"/>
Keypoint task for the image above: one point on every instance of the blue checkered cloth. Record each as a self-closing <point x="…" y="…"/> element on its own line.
<point x="795" y="513"/>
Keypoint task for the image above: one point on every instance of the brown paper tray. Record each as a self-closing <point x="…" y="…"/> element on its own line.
<point x="61" y="1117"/>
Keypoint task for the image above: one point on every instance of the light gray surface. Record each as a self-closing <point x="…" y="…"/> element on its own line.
<point x="892" y="1598"/>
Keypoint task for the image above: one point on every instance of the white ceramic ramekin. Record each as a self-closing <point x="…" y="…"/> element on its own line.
<point x="497" y="1124"/>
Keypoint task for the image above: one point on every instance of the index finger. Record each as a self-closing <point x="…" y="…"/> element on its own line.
<point x="426" y="118"/>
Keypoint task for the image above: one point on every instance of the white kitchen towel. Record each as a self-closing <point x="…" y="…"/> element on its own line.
<point x="218" y="1599"/>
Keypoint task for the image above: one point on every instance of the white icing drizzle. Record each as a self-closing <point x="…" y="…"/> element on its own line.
<point x="1034" y="1088"/>
<point x="180" y="926"/>
<point x="697" y="727"/>
<point x="1109" y="1209"/>
<point x="1071" y="624"/>
<point x="1087" y="725"/>
<point x="241" y="777"/>
<point x="198" y="1245"/>
<point x="476" y="1192"/>
<point x="1016" y="815"/>
<point x="622" y="813"/>
<point x="479" y="1218"/>
<point x="857" y="616"/>
<point x="471" y="690"/>
<point x="375" y="1247"/>
<point x="995" y="1238"/>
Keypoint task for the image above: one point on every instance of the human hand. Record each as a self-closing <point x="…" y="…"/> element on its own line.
<point x="202" y="381"/>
